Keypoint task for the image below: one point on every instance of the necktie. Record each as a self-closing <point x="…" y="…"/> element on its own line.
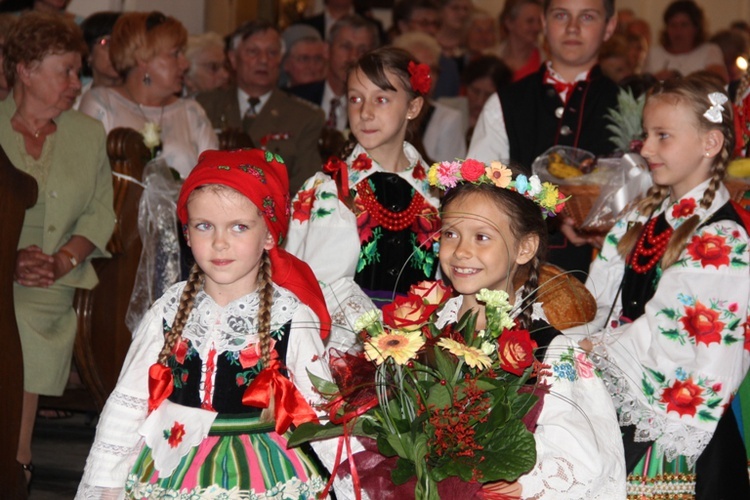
<point x="250" y="114"/>
<point x="331" y="121"/>
<point x="252" y="111"/>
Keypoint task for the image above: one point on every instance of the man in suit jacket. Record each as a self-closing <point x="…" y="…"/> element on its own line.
<point x="275" y="120"/>
<point x="351" y="37"/>
<point x="335" y="10"/>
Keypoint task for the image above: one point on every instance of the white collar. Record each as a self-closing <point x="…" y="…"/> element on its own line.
<point x="242" y="98"/>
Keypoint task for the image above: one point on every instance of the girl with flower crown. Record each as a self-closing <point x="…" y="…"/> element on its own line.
<point x="221" y="365"/>
<point x="494" y="235"/>
<point x="673" y="293"/>
<point x="370" y="220"/>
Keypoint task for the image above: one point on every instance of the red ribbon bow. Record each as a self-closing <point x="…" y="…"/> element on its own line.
<point x="290" y="406"/>
<point x="160" y="385"/>
<point x="339" y="171"/>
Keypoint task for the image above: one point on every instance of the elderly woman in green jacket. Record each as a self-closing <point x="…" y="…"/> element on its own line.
<point x="65" y="151"/>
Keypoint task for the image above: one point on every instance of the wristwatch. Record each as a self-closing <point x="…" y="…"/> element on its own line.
<point x="71" y="257"/>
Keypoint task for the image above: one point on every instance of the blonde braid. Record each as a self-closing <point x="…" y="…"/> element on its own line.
<point x="265" y="290"/>
<point x="187" y="301"/>
<point x="529" y="293"/>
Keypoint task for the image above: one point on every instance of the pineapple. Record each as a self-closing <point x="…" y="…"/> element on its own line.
<point x="626" y="120"/>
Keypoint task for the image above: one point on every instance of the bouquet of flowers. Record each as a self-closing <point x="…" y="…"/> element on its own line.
<point x="447" y="403"/>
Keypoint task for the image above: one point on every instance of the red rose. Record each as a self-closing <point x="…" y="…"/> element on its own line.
<point x="365" y="223"/>
<point x="710" y="250"/>
<point x="407" y="313"/>
<point x="684" y="208"/>
<point x="472" y="170"/>
<point x="702" y="324"/>
<point x="303" y="204"/>
<point x="180" y="351"/>
<point x="420" y="77"/>
<point x="682" y="397"/>
<point x="431" y="292"/>
<point x="560" y="205"/>
<point x="362" y="163"/>
<point x="418" y="172"/>
<point x="515" y="351"/>
<point x="176" y="433"/>
<point x="240" y="380"/>
<point x="250" y="355"/>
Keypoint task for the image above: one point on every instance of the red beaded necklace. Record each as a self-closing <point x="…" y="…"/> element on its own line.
<point x="649" y="247"/>
<point x="392" y="221"/>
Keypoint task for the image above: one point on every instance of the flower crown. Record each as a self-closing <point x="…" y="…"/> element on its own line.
<point x="447" y="174"/>
<point x="420" y="77"/>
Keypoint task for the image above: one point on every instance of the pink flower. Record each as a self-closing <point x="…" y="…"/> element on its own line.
<point x="584" y="366"/>
<point x="446" y="173"/>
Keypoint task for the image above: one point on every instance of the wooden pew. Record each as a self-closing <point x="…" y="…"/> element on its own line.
<point x="18" y="191"/>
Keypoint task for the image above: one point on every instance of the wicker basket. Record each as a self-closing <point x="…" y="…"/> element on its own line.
<point x="582" y="197"/>
<point x="737" y="188"/>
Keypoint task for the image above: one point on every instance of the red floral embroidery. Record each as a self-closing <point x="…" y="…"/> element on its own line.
<point x="710" y="250"/>
<point x="702" y="324"/>
<point x="250" y="355"/>
<point x="472" y="170"/>
<point x="747" y="334"/>
<point x="684" y="208"/>
<point x="180" y="351"/>
<point x="176" y="433"/>
<point x="426" y="224"/>
<point x="303" y="205"/>
<point x="420" y="78"/>
<point x="682" y="397"/>
<point x="365" y="223"/>
<point x="362" y="163"/>
<point x="418" y="172"/>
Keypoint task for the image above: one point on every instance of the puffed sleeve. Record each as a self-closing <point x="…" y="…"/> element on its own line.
<point x="673" y="370"/>
<point x="578" y="443"/>
<point x="489" y="141"/>
<point x="117" y="441"/>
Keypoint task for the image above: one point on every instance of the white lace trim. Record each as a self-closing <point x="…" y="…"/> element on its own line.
<point x="665" y="488"/>
<point x="672" y="438"/>
<point x="293" y="489"/>
<point x="130" y="402"/>
<point x="233" y="327"/>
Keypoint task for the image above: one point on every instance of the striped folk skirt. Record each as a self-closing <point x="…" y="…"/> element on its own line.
<point x="239" y="459"/>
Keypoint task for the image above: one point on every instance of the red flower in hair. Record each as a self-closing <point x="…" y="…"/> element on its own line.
<point x="420" y="77"/>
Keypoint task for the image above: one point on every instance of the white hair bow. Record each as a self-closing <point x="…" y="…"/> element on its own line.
<point x="713" y="114"/>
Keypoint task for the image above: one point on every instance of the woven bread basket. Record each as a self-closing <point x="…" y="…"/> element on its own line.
<point x="737" y="187"/>
<point x="582" y="197"/>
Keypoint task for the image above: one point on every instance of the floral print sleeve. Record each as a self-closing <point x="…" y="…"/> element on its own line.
<point x="673" y="370"/>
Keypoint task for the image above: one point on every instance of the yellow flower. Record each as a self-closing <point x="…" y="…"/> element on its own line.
<point x="399" y="345"/>
<point x="550" y="195"/>
<point x="432" y="176"/>
<point x="499" y="174"/>
<point x="473" y="357"/>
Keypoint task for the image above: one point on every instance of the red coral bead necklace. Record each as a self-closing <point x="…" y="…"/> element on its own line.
<point x="650" y="247"/>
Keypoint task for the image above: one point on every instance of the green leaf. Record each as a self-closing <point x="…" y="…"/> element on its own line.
<point x="402" y="444"/>
<point x="733" y="324"/>
<point x="669" y="313"/>
<point x="670" y="334"/>
<point x="312" y="432"/>
<point x="658" y="376"/>
<point x="510" y="453"/>
<point x="730" y="339"/>
<point x="740" y="249"/>
<point x="713" y="402"/>
<point x="444" y="363"/>
<point x="326" y="195"/>
<point x="440" y="396"/>
<point x="323" y="386"/>
<point x="648" y="389"/>
<point x="737" y="262"/>
<point x="384" y="447"/>
<point x="706" y="416"/>
<point x="403" y="471"/>
<point x="322" y="212"/>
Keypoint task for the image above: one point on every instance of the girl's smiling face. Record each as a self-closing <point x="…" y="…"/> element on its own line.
<point x="379" y="118"/>
<point x="477" y="247"/>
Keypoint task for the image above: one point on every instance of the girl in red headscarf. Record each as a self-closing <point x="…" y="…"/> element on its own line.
<point x="220" y="367"/>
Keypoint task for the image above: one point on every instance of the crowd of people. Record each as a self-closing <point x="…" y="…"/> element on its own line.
<point x="332" y="213"/>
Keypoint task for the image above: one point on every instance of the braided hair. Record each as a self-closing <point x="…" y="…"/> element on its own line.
<point x="691" y="91"/>
<point x="526" y="219"/>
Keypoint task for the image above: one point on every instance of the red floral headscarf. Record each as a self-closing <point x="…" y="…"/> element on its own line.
<point x="262" y="177"/>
